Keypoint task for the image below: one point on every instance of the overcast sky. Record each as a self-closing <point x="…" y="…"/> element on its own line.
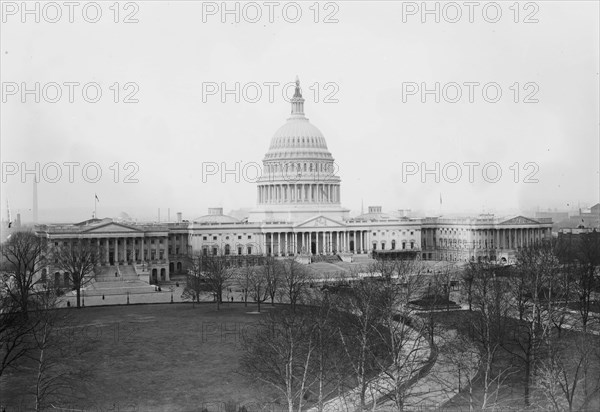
<point x="369" y="68"/>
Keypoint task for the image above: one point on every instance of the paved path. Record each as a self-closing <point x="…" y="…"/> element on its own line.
<point x="135" y="298"/>
<point x="417" y="349"/>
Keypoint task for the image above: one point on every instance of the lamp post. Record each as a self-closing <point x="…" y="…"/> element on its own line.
<point x="83" y="298"/>
<point x="171" y="288"/>
<point x="128" y="297"/>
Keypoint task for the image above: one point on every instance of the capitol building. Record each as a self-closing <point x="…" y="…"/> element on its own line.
<point x="298" y="214"/>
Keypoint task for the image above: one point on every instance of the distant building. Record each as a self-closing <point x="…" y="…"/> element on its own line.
<point x="589" y="219"/>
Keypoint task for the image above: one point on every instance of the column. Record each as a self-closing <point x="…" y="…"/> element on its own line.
<point x="264" y="244"/>
<point x="360" y="241"/>
<point x="279" y="243"/>
<point x="317" y="242"/>
<point x="116" y="240"/>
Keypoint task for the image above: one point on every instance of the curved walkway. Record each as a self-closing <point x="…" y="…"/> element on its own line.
<point x="416" y="348"/>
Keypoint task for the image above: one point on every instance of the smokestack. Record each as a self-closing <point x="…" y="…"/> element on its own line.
<point x="179" y="217"/>
<point x="169" y="214"/>
<point x="35" y="201"/>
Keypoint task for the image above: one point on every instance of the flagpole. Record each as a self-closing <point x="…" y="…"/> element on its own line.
<point x="95" y="204"/>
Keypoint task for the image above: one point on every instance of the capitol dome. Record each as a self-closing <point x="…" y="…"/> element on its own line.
<point x="299" y="177"/>
<point x="298" y="138"/>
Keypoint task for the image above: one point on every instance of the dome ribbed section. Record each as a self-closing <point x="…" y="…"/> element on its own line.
<point x="298" y="138"/>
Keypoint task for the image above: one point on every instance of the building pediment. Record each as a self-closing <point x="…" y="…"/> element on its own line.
<point x="112" y="227"/>
<point x="319" y="222"/>
<point x="519" y="220"/>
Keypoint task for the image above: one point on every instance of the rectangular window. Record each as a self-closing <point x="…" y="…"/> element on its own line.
<point x="214" y="238"/>
<point x="249" y="250"/>
<point x="203" y="237"/>
<point x="239" y="237"/>
<point x="239" y="250"/>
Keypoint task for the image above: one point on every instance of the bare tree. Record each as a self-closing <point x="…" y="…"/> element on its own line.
<point x="570" y="379"/>
<point x="404" y="347"/>
<point x="78" y="260"/>
<point x="294" y="281"/>
<point x="23" y="258"/>
<point x="588" y="260"/>
<point x="195" y="282"/>
<point x="243" y="279"/>
<point x="217" y="275"/>
<point x="258" y="287"/>
<point x="359" y="334"/>
<point x="533" y="289"/>
<point x="15" y="332"/>
<point x="52" y="355"/>
<point x="491" y="307"/>
<point x="271" y="269"/>
<point x="279" y="353"/>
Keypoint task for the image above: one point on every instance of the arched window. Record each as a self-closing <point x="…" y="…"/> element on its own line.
<point x="227" y="249"/>
<point x="393" y="245"/>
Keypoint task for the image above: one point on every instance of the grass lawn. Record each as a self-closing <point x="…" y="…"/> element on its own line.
<point x="169" y="357"/>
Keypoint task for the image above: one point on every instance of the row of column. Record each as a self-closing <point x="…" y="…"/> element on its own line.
<point x="315" y="242"/>
<point x="295" y="193"/>
<point x="498" y="238"/>
<point x="143" y="251"/>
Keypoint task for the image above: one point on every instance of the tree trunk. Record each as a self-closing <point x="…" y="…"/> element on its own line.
<point x="78" y="297"/>
<point x="527" y="373"/>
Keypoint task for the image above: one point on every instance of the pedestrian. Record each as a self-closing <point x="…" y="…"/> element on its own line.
<point x="68" y="304"/>
<point x="116" y="274"/>
<point x="102" y="297"/>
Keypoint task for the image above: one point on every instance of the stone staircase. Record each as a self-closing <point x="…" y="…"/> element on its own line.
<point x="117" y="280"/>
<point x="362" y="258"/>
<point x="325" y="258"/>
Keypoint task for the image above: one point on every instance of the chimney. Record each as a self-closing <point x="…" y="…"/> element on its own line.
<point x="179" y="217"/>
